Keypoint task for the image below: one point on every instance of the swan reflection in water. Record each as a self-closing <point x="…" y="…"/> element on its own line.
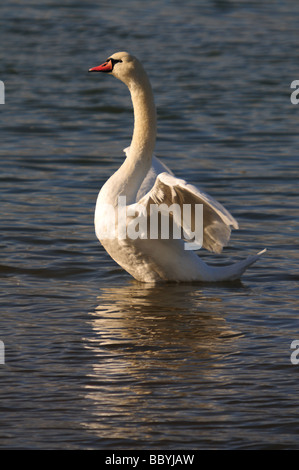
<point x="151" y="349"/>
<point x="158" y="317"/>
<point x="138" y="327"/>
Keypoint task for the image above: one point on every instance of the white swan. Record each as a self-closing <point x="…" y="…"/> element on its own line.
<point x="144" y="180"/>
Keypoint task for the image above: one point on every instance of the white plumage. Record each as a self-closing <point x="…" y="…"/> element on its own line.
<point x="144" y="180"/>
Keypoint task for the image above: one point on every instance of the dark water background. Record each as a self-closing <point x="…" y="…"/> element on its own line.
<point x="93" y="359"/>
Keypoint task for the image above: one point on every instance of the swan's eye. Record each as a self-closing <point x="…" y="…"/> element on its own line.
<point x="114" y="61"/>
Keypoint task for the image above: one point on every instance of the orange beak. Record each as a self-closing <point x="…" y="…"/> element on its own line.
<point x="105" y="67"/>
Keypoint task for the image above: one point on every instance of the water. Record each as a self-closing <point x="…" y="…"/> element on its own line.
<point x="93" y="359"/>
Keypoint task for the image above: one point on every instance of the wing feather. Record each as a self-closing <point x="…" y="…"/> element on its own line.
<point x="217" y="221"/>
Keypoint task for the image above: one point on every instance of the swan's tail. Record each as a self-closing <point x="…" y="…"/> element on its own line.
<point x="235" y="271"/>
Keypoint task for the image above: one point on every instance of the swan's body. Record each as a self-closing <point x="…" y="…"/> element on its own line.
<point x="145" y="180"/>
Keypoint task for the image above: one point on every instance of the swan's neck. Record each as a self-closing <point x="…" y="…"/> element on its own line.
<point x="144" y="135"/>
<point x="139" y="157"/>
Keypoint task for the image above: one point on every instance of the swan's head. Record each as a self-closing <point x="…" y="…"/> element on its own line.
<point x="121" y="65"/>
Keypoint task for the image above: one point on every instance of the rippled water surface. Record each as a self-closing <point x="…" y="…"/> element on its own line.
<point x="93" y="359"/>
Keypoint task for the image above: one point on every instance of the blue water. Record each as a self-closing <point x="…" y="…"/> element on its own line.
<point x="93" y="359"/>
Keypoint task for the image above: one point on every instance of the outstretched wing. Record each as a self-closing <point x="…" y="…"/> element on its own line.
<point x="217" y="221"/>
